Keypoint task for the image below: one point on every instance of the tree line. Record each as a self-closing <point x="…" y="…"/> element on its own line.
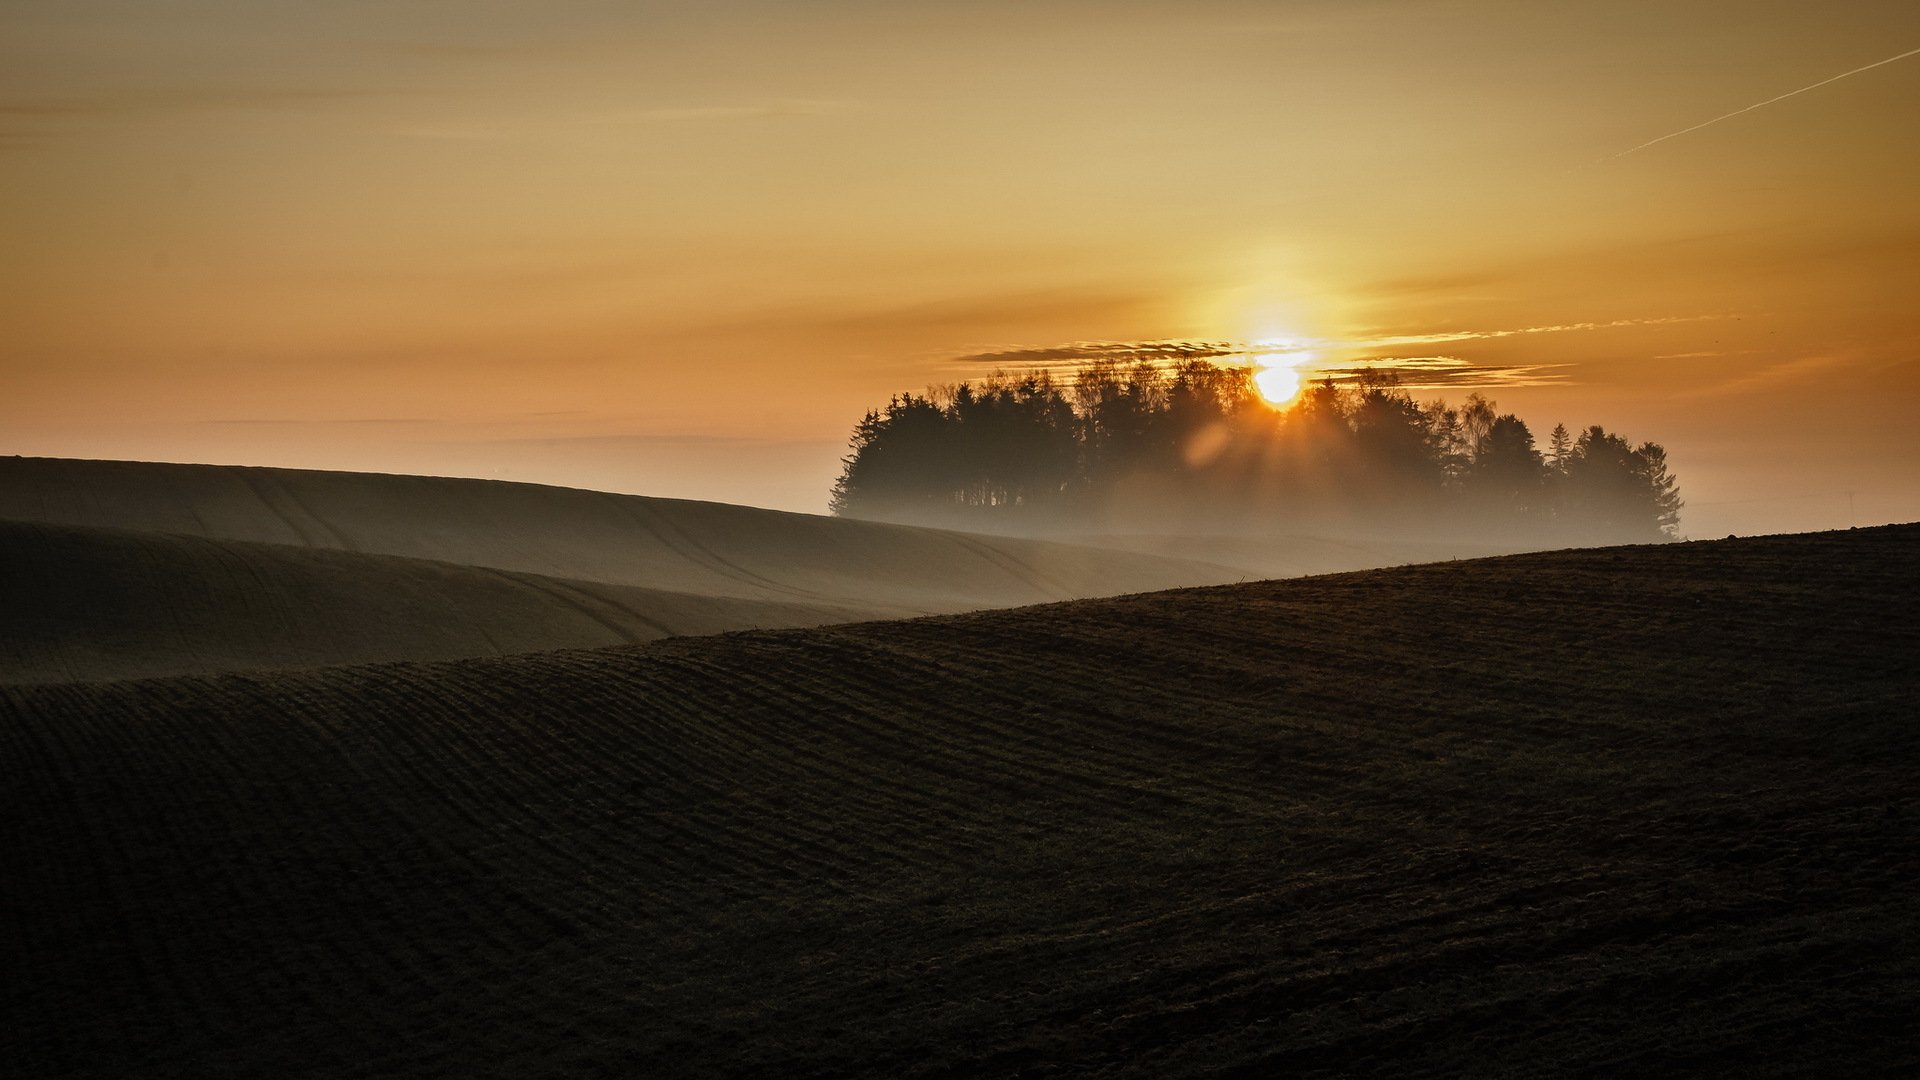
<point x="1133" y="444"/>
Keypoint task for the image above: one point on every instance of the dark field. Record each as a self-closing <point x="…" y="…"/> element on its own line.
<point x="91" y="604"/>
<point x="1615" y="812"/>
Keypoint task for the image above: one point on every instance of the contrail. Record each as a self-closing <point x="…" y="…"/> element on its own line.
<point x="1762" y="104"/>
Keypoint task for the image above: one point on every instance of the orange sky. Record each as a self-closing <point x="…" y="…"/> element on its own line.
<point x="677" y="248"/>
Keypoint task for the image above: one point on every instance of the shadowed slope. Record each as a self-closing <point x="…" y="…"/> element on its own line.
<point x="1608" y="812"/>
<point x="92" y="604"/>
<point x="1298" y="555"/>
<point x="710" y="549"/>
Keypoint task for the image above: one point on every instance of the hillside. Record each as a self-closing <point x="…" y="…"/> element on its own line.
<point x="703" y="549"/>
<point x="1263" y="555"/>
<point x="91" y="604"/>
<point x="1611" y="812"/>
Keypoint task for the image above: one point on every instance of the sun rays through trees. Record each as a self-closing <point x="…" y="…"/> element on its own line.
<point x="1194" y="443"/>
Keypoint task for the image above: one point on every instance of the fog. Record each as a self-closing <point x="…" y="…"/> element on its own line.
<point x="1189" y="458"/>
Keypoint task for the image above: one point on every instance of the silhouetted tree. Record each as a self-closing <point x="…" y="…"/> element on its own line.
<point x="1662" y="487"/>
<point x="1559" y="448"/>
<point x="1194" y="439"/>
<point x="1508" y="474"/>
<point x="1015" y="441"/>
<point x="1476" y="419"/>
<point x="1398" y="466"/>
<point x="1448" y="439"/>
<point x="903" y="461"/>
<point x="1120" y="408"/>
<point x="1619" y="490"/>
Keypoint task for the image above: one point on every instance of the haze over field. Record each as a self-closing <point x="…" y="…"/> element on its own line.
<point x="676" y="249"/>
<point x="948" y="538"/>
<point x="114" y="570"/>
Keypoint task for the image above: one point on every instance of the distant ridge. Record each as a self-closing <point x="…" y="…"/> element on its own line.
<point x="1629" y="811"/>
<point x="708" y="549"/>
<point x="118" y="569"/>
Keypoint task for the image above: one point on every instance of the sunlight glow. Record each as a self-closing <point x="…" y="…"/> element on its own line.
<point x="1279" y="370"/>
<point x="1278" y="385"/>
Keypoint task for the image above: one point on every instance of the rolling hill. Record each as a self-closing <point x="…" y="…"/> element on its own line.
<point x="92" y="604"/>
<point x="1272" y="555"/>
<point x="1609" y="812"/>
<point x="696" y="548"/>
<point x="115" y="569"/>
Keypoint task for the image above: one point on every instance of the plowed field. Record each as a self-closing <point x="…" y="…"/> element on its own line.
<point x="1614" y="812"/>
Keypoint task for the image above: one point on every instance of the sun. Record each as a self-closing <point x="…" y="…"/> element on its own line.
<point x="1279" y="384"/>
<point x="1280" y="366"/>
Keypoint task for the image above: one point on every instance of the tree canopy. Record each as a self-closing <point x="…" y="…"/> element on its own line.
<point x="1125" y="443"/>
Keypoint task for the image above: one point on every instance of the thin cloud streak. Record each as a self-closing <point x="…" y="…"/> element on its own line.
<point x="1080" y="352"/>
<point x="1760" y="105"/>
<point x="494" y="131"/>
<point x="1421" y="372"/>
<point x="22" y="140"/>
<point x="1450" y="372"/>
<point x="1798" y="370"/>
<point x="1414" y="372"/>
<point x="752" y="111"/>
<point x="327" y="420"/>
<point x="1447" y="337"/>
<point x="180" y="97"/>
<point x="642" y="441"/>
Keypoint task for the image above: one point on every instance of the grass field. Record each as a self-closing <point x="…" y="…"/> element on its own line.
<point x="1609" y="812"/>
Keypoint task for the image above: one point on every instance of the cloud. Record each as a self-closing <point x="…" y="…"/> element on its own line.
<point x="782" y="107"/>
<point x="1450" y="372"/>
<point x="1803" y="370"/>
<point x="513" y="51"/>
<point x="1082" y="352"/>
<point x="1010" y="313"/>
<point x="327" y="420"/>
<point x="1173" y="351"/>
<point x="497" y="130"/>
<point x="1414" y="372"/>
<point x="186" y="96"/>
<point x="36" y="110"/>
<point x="12" y="139"/>
<point x="47" y="116"/>
<point x="642" y="441"/>
<point x="1449" y="336"/>
<point x="1446" y="285"/>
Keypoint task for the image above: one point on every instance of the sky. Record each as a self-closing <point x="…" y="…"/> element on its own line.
<point x="679" y="248"/>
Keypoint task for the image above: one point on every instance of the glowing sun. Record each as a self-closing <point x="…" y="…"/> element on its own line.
<point x="1278" y="385"/>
